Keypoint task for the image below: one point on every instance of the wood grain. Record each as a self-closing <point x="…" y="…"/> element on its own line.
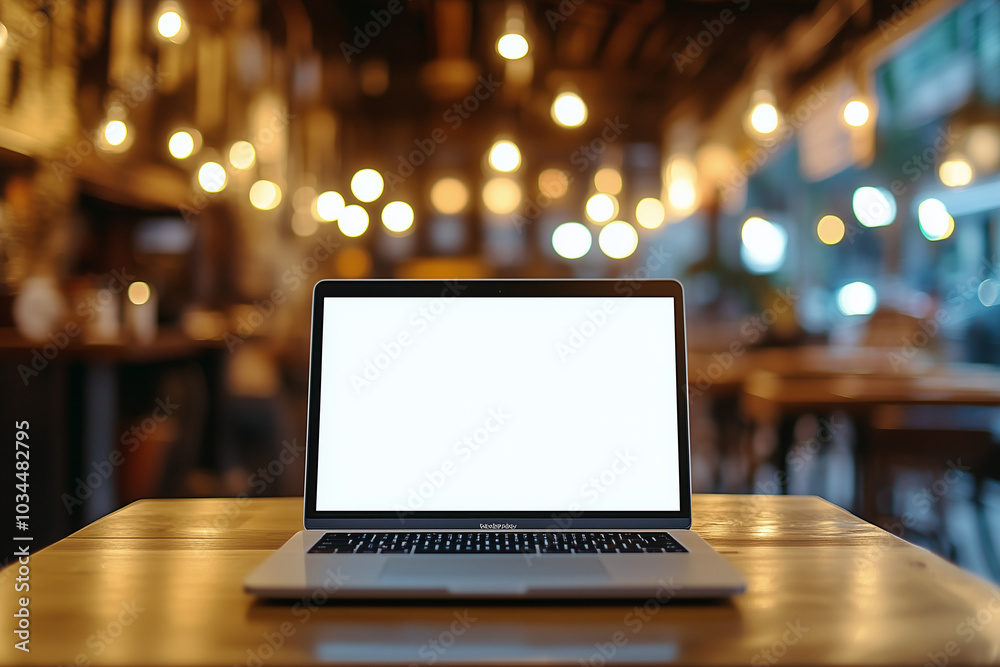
<point x="159" y="583"/>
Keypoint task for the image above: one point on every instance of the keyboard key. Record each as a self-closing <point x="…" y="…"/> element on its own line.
<point x="497" y="543"/>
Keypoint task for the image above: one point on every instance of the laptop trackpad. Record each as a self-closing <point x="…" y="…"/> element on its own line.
<point x="481" y="572"/>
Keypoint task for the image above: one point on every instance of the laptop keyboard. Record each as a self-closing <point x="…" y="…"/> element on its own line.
<point x="496" y="543"/>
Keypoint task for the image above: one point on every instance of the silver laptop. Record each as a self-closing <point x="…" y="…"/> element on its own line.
<point x="497" y="439"/>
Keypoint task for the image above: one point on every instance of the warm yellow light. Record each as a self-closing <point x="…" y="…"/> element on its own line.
<point x="956" y="172"/>
<point x="764" y="118"/>
<point x="569" y="110"/>
<point x="505" y="156"/>
<point x="265" y="195"/>
<point x="553" y="183"/>
<point x="682" y="195"/>
<point x="649" y="213"/>
<point x="609" y="180"/>
<point x="572" y="240"/>
<point x="830" y="229"/>
<point x="139" y="292"/>
<point x="304" y="224"/>
<point x="115" y="132"/>
<point x="618" y="239"/>
<point x="328" y="206"/>
<point x="397" y="216"/>
<point x="856" y="113"/>
<point x="512" y="46"/>
<point x="449" y="196"/>
<point x="212" y="177"/>
<point x="367" y="185"/>
<point x="242" y="155"/>
<point x="169" y="24"/>
<point x="601" y="207"/>
<point x="353" y="220"/>
<point x="501" y="195"/>
<point x="3" y="36"/>
<point x="181" y="144"/>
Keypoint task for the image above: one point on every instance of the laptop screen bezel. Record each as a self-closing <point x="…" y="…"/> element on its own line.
<point x="500" y="288"/>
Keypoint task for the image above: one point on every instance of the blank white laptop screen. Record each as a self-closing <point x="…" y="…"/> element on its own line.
<point x="498" y="405"/>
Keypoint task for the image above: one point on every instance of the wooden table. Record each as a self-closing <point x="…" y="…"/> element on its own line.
<point x="159" y="582"/>
<point x="769" y="397"/>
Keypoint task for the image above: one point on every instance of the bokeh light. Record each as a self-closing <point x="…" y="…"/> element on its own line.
<point x="857" y="298"/>
<point x="873" y="207"/>
<point x="329" y="206"/>
<point x="956" y="172"/>
<point x="353" y="221"/>
<point x="242" y="155"/>
<point x="934" y="220"/>
<point x="212" y="177"/>
<point x="856" y="113"/>
<point x="367" y="185"/>
<point x="609" y="180"/>
<point x="649" y="213"/>
<point x="265" y="195"/>
<point x="569" y="110"/>
<point x="572" y="240"/>
<point x="505" y="156"/>
<point x="601" y="207"/>
<point x="764" y="243"/>
<point x="764" y="118"/>
<point x="512" y="46"/>
<point x="139" y="293"/>
<point x="397" y="216"/>
<point x="830" y="229"/>
<point x="501" y="195"/>
<point x="618" y="239"/>
<point x="553" y="183"/>
<point x="449" y="196"/>
<point x="181" y="144"/>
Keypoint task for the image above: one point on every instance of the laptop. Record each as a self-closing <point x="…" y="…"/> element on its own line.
<point x="497" y="439"/>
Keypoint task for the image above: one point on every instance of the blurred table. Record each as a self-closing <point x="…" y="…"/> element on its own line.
<point x="772" y="398"/>
<point x="159" y="583"/>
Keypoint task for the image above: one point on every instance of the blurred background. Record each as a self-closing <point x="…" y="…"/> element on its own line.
<point x="822" y="176"/>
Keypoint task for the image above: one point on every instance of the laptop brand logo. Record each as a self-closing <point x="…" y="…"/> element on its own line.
<point x="497" y="526"/>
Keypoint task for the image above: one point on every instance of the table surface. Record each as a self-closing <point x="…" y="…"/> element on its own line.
<point x="159" y="582"/>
